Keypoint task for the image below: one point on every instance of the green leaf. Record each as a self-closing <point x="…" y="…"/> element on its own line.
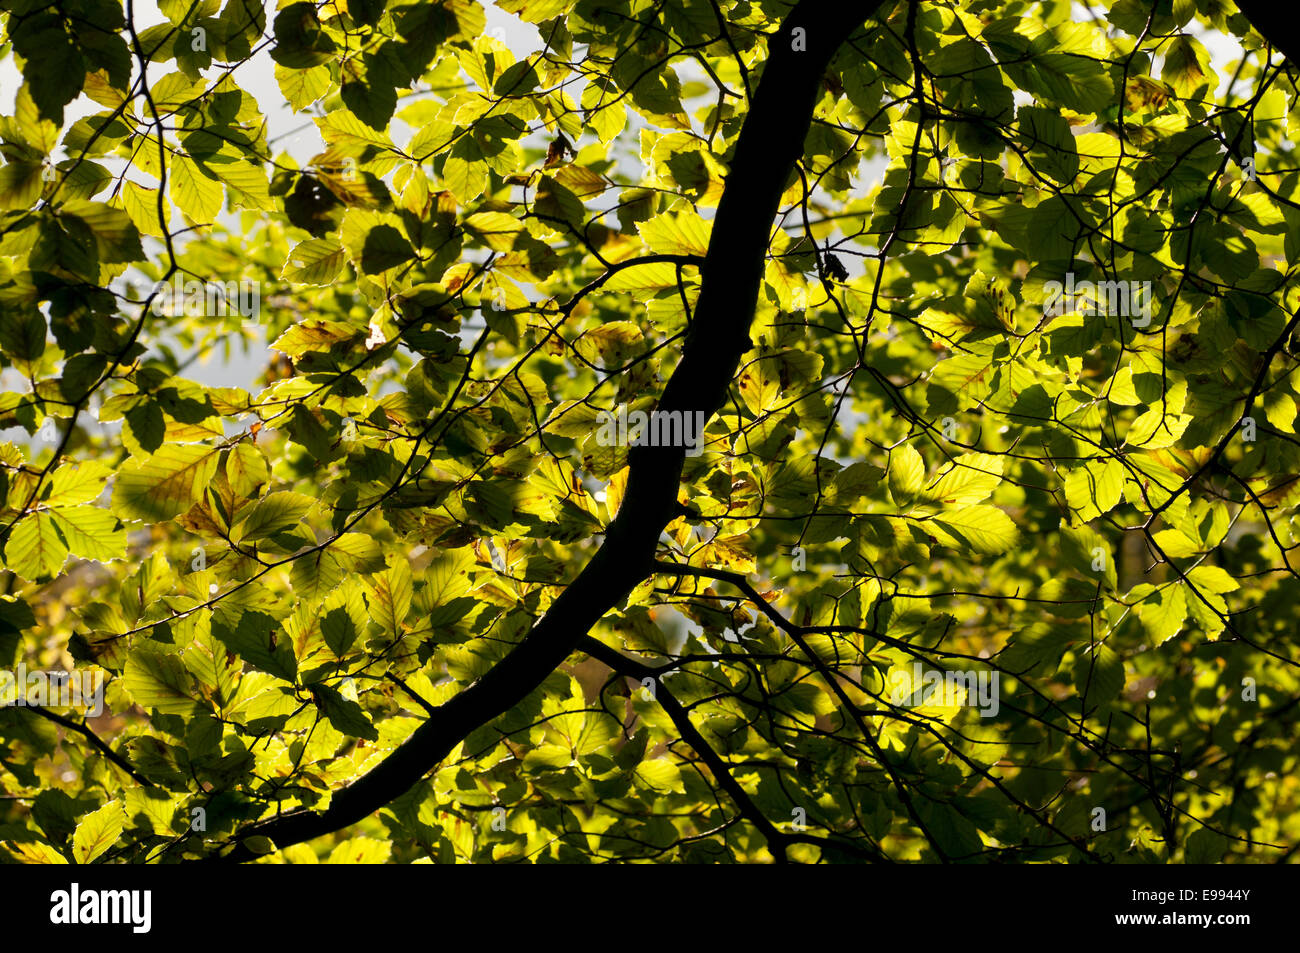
<point x="272" y="514"/>
<point x="955" y="835"/>
<point x="980" y="529"/>
<point x="676" y="233"/>
<point x="116" y="237"/>
<point x="906" y="474"/>
<point x="195" y="190"/>
<point x="246" y="469"/>
<point x="1094" y="489"/>
<point x="1098" y="675"/>
<point x="91" y="532"/>
<point x="1205" y="847"/>
<point x="1046" y="136"/>
<point x="373" y="244"/>
<point x="343" y="713"/>
<point x="1164" y="611"/>
<point x="300" y="42"/>
<point x="20" y="184"/>
<point x="372" y="97"/>
<point x="970" y="478"/>
<point x="164" y="485"/>
<point x="36" y="549"/>
<point x="159" y="680"/>
<point x="147" y="426"/>
<point x="314" y="262"/>
<point x="497" y="230"/>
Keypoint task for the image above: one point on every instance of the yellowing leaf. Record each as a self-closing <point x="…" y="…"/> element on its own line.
<point x="302" y="87"/>
<point x="1213" y="578"/>
<point x="248" y="183"/>
<point x="246" y="469"/>
<point x="389" y="597"/>
<point x="35" y="548"/>
<point x="97" y="832"/>
<point x="1175" y="544"/>
<point x="1280" y="409"/>
<point x="1157" y="428"/>
<point x="91" y="532"/>
<point x="37" y="852"/>
<point x="466" y="179"/>
<point x="314" y="262"/>
<point x="969" y="479"/>
<point x="760" y="385"/>
<point x="142" y="205"/>
<point x="1163" y="612"/>
<point x="1186" y="66"/>
<point x="314" y="334"/>
<point x="74" y="484"/>
<point x="640" y="278"/>
<point x="166" y="484"/>
<point x="906" y="473"/>
<point x="535" y="11"/>
<point x="195" y="191"/>
<point x="1094" y="489"/>
<point x="676" y="233"/>
<point x="497" y="230"/>
<point x="447" y="577"/>
<point x="982" y="529"/>
<point x="361" y="850"/>
<point x="934" y="695"/>
<point x="660" y="776"/>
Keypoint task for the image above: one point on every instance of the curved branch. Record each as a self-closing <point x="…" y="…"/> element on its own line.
<point x="770" y="143"/>
<point x="99" y="743"/>
<point x="1271" y="21"/>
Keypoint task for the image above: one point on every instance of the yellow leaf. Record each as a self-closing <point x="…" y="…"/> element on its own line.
<point x="166" y="484"/>
<point x="676" y="233"/>
<point x="195" y="191"/>
<point x="97" y="832"/>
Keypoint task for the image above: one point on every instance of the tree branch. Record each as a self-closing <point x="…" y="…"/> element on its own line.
<point x="770" y="143"/>
<point x="84" y="730"/>
<point x="1271" y="21"/>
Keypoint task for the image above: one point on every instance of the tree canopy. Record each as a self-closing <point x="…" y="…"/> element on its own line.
<point x="985" y="551"/>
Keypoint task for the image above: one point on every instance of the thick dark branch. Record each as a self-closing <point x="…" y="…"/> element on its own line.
<point x="769" y="145"/>
<point x="1271" y="21"/>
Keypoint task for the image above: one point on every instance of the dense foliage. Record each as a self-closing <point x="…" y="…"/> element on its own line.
<point x="1018" y="400"/>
